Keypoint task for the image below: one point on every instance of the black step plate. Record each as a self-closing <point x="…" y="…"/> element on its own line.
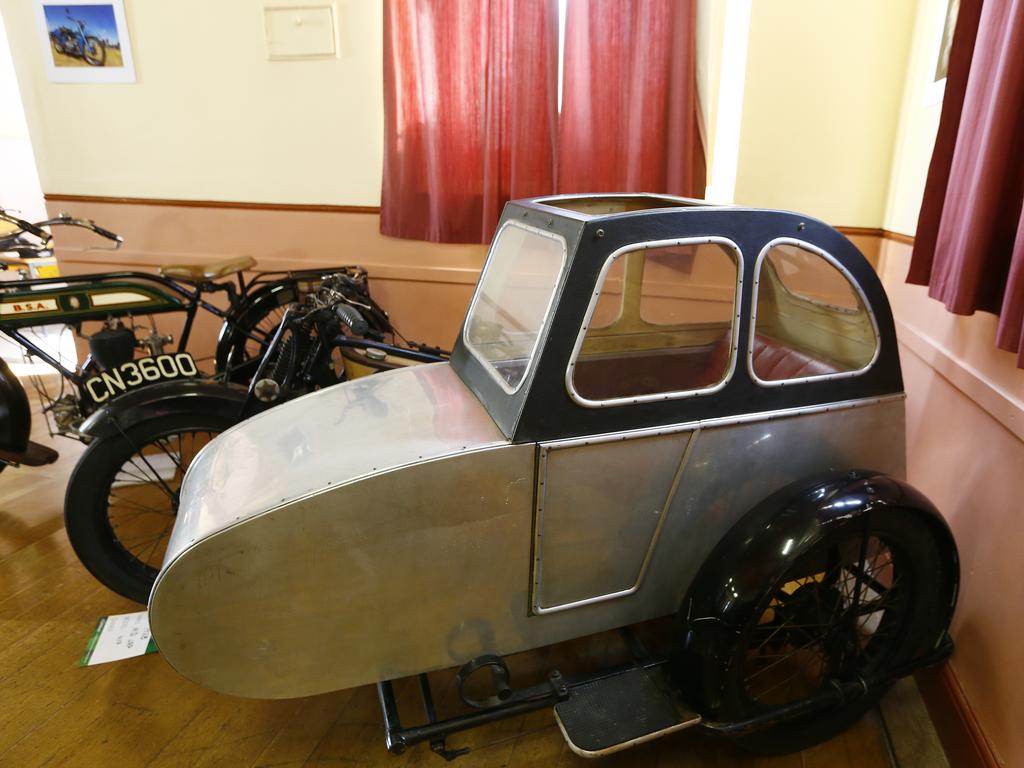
<point x="611" y="714"/>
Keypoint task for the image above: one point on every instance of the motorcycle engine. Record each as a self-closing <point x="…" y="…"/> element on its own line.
<point x="112" y="346"/>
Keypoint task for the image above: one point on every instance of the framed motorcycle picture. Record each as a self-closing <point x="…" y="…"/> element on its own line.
<point x="85" y="41"/>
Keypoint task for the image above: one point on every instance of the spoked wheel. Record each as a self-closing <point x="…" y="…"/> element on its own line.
<point x="865" y="598"/>
<point x="264" y="329"/>
<point x="833" y="617"/>
<point x="246" y="336"/>
<point x="95" y="53"/>
<point x="122" y="499"/>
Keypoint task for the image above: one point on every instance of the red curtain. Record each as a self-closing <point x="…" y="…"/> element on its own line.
<point x="470" y="90"/>
<point x="629" y="107"/>
<point x="969" y="245"/>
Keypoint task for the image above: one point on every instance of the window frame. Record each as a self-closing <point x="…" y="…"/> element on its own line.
<point x="753" y="314"/>
<point x="545" y="319"/>
<point x="592" y="306"/>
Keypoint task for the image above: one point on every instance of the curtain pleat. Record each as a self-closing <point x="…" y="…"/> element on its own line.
<point x="471" y="114"/>
<point x="470" y="89"/>
<point x="969" y="244"/>
<point x="629" y="120"/>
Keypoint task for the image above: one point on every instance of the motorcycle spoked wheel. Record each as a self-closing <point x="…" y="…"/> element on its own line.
<point x="815" y="625"/>
<point x="122" y="498"/>
<point x="241" y="355"/>
<point x="94" y="53"/>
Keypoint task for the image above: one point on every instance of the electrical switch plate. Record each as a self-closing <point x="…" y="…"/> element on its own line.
<point x="300" y="31"/>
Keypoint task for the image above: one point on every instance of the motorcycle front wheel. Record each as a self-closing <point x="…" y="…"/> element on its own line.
<point x="95" y="53"/>
<point x="122" y="499"/>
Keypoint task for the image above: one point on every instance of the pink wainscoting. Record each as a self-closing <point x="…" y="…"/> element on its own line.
<point x="425" y="286"/>
<point x="965" y="444"/>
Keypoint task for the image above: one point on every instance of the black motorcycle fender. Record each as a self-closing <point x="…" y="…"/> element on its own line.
<point x="759" y="549"/>
<point x="164" y="399"/>
<point x="254" y="304"/>
<point x="15" y="414"/>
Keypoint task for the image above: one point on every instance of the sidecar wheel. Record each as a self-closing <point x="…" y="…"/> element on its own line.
<point x="121" y="503"/>
<point x="813" y="626"/>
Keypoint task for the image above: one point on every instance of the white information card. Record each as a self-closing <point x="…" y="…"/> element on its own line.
<point x="119" y="637"/>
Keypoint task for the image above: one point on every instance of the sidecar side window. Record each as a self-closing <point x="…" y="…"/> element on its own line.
<point x="675" y="332"/>
<point x="609" y="302"/>
<point x="513" y="301"/>
<point x="810" y="320"/>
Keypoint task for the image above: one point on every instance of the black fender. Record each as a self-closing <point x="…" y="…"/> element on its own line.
<point x="759" y="549"/>
<point x="164" y="399"/>
<point x="256" y="303"/>
<point x="15" y="414"/>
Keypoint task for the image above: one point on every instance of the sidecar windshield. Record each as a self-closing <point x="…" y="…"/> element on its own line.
<point x="513" y="301"/>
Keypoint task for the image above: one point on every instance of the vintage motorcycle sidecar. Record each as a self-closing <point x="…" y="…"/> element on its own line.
<point x="655" y="407"/>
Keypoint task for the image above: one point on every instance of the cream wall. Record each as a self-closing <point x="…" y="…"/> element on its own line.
<point x="710" y="29"/>
<point x="19" y="182"/>
<point x="919" y="121"/>
<point x="210" y="117"/>
<point x="821" y="105"/>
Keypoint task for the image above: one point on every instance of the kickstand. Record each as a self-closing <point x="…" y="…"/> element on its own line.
<point x="438" y="746"/>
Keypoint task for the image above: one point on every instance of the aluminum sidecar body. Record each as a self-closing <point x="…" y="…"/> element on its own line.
<point x="569" y="471"/>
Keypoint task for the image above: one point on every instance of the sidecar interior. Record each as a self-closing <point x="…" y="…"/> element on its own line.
<point x="628" y="352"/>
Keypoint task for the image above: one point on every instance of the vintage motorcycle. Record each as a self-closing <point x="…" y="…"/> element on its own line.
<point x="122" y="497"/>
<point x="136" y="392"/>
<point x="116" y="301"/>
<point x="72" y="41"/>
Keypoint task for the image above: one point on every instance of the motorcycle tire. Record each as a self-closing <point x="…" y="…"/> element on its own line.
<point x="94" y="52"/>
<point x="238" y="355"/>
<point x="122" y="498"/>
<point x="793" y="642"/>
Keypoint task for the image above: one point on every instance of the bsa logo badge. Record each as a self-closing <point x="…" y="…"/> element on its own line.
<point x="27" y="306"/>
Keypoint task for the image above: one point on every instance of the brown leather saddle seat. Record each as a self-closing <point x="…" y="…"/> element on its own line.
<point x="211" y="271"/>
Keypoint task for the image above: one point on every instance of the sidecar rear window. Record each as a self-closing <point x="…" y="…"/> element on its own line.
<point x="513" y="300"/>
<point x="810" y="320"/>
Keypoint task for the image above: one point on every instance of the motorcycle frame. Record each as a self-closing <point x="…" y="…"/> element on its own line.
<point x="193" y="301"/>
<point x="325" y="344"/>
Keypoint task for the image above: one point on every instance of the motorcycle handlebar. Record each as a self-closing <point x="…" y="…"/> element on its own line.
<point x="351" y="317"/>
<point x="108" y="234"/>
<point x="24" y="226"/>
<point x="65" y="220"/>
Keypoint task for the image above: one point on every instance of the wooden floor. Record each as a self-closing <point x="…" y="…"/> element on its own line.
<point x="141" y="713"/>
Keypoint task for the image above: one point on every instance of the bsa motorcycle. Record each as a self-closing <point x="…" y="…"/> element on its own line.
<point x="122" y="497"/>
<point x="126" y="353"/>
<point x="140" y="400"/>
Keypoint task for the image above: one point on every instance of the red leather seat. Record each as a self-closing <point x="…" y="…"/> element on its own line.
<point x="685" y="369"/>
<point x="774" y="361"/>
